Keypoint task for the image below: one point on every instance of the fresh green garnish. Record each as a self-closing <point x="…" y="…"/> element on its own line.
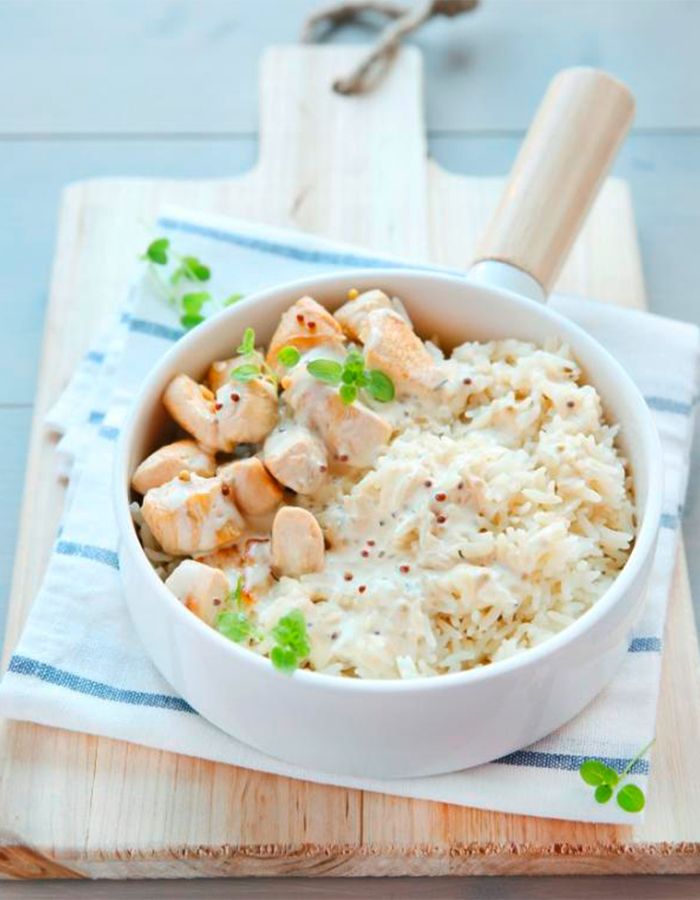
<point x="603" y="793"/>
<point x="291" y="642"/>
<point x="187" y="272"/>
<point x="289" y="356"/>
<point x="157" y="251"/>
<point x="246" y="372"/>
<point x="192" y="305"/>
<point x="596" y="773"/>
<point x="348" y="393"/>
<point x="235" y="597"/>
<point x="189" y="321"/>
<point x="380" y="386"/>
<point x="232" y="622"/>
<point x="631" y="798"/>
<point x="327" y="370"/>
<point x="250" y="370"/>
<point x="234" y="625"/>
<point x="352" y="376"/>
<point x="190" y="269"/>
<point x="247" y="344"/>
<point x="605" y="779"/>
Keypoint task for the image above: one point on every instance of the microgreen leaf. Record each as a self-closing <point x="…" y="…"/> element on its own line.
<point x="246" y="372"/>
<point x="595" y="772"/>
<point x="193" y="303"/>
<point x="190" y="320"/>
<point x="289" y="356"/>
<point x="235" y="625"/>
<point x="235" y="596"/>
<point x="292" y="642"/>
<point x="157" y="251"/>
<point x="591" y="770"/>
<point x="380" y="386"/>
<point x="283" y="659"/>
<point x="195" y="269"/>
<point x="328" y="370"/>
<point x="351" y="375"/>
<point x="603" y="793"/>
<point x="247" y="344"/>
<point x="348" y="393"/>
<point x="231" y="299"/>
<point x="631" y="798"/>
<point x="354" y="360"/>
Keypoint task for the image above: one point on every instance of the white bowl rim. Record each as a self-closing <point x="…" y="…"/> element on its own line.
<point x="643" y="545"/>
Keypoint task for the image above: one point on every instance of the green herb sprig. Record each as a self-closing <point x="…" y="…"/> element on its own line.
<point x="350" y="376"/>
<point x="187" y="272"/>
<point x="607" y="781"/>
<point x="289" y="634"/>
<point x="232" y="621"/>
<point x="256" y="367"/>
<point x="291" y="642"/>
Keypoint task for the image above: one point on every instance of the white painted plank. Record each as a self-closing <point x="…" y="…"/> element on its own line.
<point x="161" y="67"/>
<point x="32" y="176"/>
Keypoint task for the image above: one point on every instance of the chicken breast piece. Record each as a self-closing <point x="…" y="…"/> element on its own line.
<point x="219" y="372"/>
<point x="167" y="462"/>
<point x="296" y="458"/>
<point x="304" y="325"/>
<point x="246" y="411"/>
<point x="353" y="434"/>
<point x="255" y="491"/>
<point x="202" y="589"/>
<point x="192" y="407"/>
<point x="229" y="560"/>
<point x="353" y="314"/>
<point x="193" y="516"/>
<point x="297" y="543"/>
<point x="394" y="348"/>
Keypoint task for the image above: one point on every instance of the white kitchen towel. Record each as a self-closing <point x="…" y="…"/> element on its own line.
<point x="79" y="664"/>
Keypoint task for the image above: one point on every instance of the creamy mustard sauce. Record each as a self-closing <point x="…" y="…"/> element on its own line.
<point x="475" y="515"/>
<point x="437" y="533"/>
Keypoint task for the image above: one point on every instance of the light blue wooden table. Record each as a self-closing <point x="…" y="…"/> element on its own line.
<point x="169" y="87"/>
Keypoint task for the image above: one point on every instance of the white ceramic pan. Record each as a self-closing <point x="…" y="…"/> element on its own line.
<point x="423" y="726"/>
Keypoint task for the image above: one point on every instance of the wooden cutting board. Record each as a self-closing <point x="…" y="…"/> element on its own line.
<point x="72" y="805"/>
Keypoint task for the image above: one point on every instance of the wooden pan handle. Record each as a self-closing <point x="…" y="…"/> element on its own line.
<point x="571" y="143"/>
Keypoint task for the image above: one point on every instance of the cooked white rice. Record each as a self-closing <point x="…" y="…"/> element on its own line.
<point x="536" y="521"/>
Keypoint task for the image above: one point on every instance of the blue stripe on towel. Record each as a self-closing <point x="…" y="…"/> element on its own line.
<point x="567" y="762"/>
<point x="155" y="329"/>
<point x="95" y="356"/>
<point x="665" y="404"/>
<point x="24" y="665"/>
<point x="109" y="432"/>
<point x="670" y="520"/>
<point x="344" y="259"/>
<point x="645" y="645"/>
<point x="96" y="416"/>
<point x="88" y="551"/>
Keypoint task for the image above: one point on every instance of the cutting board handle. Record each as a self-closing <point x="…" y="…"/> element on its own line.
<point x="568" y="150"/>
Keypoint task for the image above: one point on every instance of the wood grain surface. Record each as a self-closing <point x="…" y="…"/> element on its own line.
<point x="575" y="134"/>
<point x="78" y="806"/>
